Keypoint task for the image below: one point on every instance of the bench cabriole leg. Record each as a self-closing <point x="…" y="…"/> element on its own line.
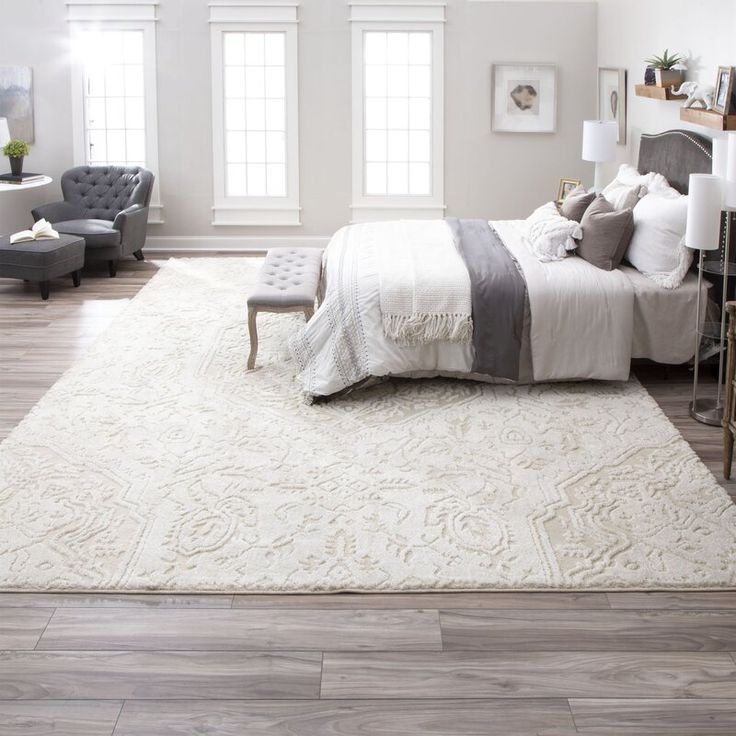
<point x="253" y="333"/>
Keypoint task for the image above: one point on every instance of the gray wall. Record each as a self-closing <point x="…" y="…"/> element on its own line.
<point x="631" y="30"/>
<point x="486" y="175"/>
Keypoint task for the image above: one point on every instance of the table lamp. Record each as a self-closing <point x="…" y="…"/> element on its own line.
<point x="703" y="233"/>
<point x="4" y="132"/>
<point x="599" y="145"/>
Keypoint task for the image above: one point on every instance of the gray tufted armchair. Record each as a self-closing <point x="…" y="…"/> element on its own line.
<point x="105" y="205"/>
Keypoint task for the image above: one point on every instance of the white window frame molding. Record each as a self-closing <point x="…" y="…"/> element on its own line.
<point x="398" y="15"/>
<point x="121" y="15"/>
<point x="258" y="16"/>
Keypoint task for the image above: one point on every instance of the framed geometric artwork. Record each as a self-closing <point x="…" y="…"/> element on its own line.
<point x="524" y="98"/>
<point x="612" y="99"/>
<point x="16" y="101"/>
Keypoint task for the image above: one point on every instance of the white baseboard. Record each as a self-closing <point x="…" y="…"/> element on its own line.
<point x="231" y="244"/>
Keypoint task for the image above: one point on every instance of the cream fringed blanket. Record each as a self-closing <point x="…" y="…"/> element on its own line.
<point x="425" y="286"/>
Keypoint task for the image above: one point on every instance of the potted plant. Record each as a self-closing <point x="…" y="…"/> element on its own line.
<point x="666" y="69"/>
<point x="16" y="150"/>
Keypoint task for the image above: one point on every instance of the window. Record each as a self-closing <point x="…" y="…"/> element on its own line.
<point x="255" y="113"/>
<point x="114" y="99"/>
<point x="397" y="117"/>
<point x="115" y="116"/>
<point x="397" y="110"/>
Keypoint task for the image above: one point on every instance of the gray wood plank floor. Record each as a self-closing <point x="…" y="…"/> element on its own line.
<point x="511" y="664"/>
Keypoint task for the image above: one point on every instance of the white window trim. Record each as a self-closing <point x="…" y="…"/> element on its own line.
<point x="398" y="15"/>
<point x="255" y="15"/>
<point x="123" y="15"/>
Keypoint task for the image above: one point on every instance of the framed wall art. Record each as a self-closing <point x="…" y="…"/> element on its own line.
<point x="524" y="98"/>
<point x="612" y="99"/>
<point x="16" y="101"/>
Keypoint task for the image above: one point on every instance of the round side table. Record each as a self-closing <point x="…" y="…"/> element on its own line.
<point x="4" y="187"/>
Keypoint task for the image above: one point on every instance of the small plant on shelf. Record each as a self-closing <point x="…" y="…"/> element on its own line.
<point x="16" y="151"/>
<point x="664" y="70"/>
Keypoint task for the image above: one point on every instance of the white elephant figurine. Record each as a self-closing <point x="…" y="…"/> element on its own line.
<point x="700" y="93"/>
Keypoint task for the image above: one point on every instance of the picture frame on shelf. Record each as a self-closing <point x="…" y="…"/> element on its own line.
<point x="612" y="98"/>
<point x="566" y="186"/>
<point x="523" y="98"/>
<point x="723" y="98"/>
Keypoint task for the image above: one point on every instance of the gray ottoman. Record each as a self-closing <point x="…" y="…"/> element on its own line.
<point x="42" y="260"/>
<point x="287" y="282"/>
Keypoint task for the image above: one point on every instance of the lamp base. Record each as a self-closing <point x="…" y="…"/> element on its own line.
<point x="707" y="411"/>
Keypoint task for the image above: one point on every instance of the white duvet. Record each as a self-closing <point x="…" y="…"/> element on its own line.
<point x="581" y="319"/>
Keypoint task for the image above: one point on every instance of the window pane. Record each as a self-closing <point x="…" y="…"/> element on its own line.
<point x="135" y="145"/>
<point x="275" y="82"/>
<point x="374" y="48"/>
<point x="135" y="116"/>
<point x="236" y="182"/>
<point x="234" y="48"/>
<point x="256" y="180"/>
<point x="274" y="49"/>
<point x="235" y="114"/>
<point x="255" y="114"/>
<point x="115" y="112"/>
<point x="97" y="146"/>
<point x="375" y="145"/>
<point x="419" y="179"/>
<point x="419" y="145"/>
<point x="276" y="180"/>
<point x="397" y="112"/>
<point x="255" y="147"/>
<point x="255" y="85"/>
<point x="398" y="145"/>
<point x="234" y="81"/>
<point x="275" y="115"/>
<point x="254" y="51"/>
<point x="276" y="148"/>
<point x="375" y="178"/>
<point x="236" y="147"/>
<point x="96" y="113"/>
<point x="116" y="145"/>
<point x="398" y="178"/>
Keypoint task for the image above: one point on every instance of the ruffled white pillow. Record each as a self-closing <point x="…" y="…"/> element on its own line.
<point x="629" y="186"/>
<point x="657" y="248"/>
<point x="550" y="235"/>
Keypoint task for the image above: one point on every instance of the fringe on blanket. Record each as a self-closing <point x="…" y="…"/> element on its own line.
<point x="419" y="329"/>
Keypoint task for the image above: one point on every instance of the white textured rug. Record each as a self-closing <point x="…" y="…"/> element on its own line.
<point x="159" y="463"/>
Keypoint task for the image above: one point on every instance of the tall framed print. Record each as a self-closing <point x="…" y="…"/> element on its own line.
<point x="524" y="98"/>
<point x="612" y="99"/>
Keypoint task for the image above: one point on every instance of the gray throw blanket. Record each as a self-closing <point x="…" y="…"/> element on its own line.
<point x="498" y="293"/>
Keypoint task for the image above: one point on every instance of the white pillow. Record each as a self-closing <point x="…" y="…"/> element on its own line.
<point x="550" y="235"/>
<point x="657" y="247"/>
<point x="629" y="186"/>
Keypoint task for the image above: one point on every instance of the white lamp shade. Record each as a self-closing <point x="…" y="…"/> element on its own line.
<point x="599" y="140"/>
<point x="730" y="189"/>
<point x="720" y="156"/>
<point x="4" y="132"/>
<point x="705" y="196"/>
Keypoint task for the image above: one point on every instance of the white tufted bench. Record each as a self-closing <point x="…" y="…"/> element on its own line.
<point x="287" y="282"/>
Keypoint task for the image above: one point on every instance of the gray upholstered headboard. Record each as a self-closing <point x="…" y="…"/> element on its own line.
<point x="675" y="154"/>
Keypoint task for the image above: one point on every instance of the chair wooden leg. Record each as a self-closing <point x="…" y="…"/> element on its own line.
<point x="308" y="313"/>
<point x="44" y="286"/>
<point x="112" y="268"/>
<point x="727" y="452"/>
<point x="138" y="255"/>
<point x="253" y="333"/>
<point x="76" y="278"/>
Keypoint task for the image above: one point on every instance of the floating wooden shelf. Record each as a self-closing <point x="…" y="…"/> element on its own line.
<point x="708" y="118"/>
<point x="657" y="93"/>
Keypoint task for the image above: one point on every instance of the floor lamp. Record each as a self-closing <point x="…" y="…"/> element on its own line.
<point x="705" y="203"/>
<point x="599" y="146"/>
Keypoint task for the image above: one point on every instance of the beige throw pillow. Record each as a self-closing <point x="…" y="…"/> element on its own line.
<point x="574" y="205"/>
<point x="606" y="234"/>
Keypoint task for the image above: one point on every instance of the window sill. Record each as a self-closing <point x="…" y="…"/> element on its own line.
<point x="235" y="216"/>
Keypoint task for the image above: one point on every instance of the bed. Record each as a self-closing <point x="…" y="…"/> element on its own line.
<point x="531" y="321"/>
